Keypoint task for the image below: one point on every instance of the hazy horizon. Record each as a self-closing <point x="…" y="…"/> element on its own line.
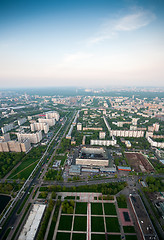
<point x="81" y="43"/>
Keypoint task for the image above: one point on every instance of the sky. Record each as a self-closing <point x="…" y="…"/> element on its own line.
<point x="85" y="43"/>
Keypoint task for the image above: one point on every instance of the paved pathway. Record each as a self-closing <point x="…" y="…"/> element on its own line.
<point x="49" y="223"/>
<point x="89" y="221"/>
<point x="119" y="220"/>
<point x="57" y="224"/>
<point x="72" y="221"/>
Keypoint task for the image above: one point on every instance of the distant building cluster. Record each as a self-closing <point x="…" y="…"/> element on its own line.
<point x="39" y="126"/>
<point x="53" y="114"/>
<point x="25" y="139"/>
<point x="68" y="136"/>
<point x="6" y="145"/>
<point x="127" y="133"/>
<point x="154" y="143"/>
<point x="100" y="142"/>
<point x="44" y="123"/>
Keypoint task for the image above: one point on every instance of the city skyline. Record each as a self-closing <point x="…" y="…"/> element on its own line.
<point x="100" y="43"/>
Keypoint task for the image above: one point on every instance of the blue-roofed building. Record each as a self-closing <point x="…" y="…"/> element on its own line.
<point x="121" y="168"/>
<point x="162" y="161"/>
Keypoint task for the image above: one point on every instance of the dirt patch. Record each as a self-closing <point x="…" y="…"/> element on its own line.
<point x="138" y="162"/>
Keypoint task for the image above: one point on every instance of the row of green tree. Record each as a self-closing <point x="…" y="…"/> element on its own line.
<point x="8" y="188"/>
<point x="105" y="188"/>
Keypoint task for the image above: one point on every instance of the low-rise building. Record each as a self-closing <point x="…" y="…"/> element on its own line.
<point x="154" y="143"/>
<point x="122" y="168"/>
<point x="21" y="121"/>
<point x="145" y="225"/>
<point x="32" y="223"/>
<point x="102" y="135"/>
<point x="6" y="128"/>
<point x="112" y="142"/>
<point x="68" y="136"/>
<point x="128" y="144"/>
<point x="75" y="170"/>
<point x="92" y="157"/>
<point x="79" y="126"/>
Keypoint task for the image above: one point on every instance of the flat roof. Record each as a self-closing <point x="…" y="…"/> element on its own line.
<point x="125" y="168"/>
<point x="75" y="169"/>
<point x="31" y="226"/>
<point x="93" y="153"/>
<point x="143" y="218"/>
<point x="162" y="161"/>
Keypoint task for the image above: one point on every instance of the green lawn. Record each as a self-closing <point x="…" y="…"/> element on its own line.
<point x="109" y="209"/>
<point x="31" y="158"/>
<point x="96" y="209"/>
<point x="65" y="223"/>
<point x="114" y="237"/>
<point x="26" y="172"/>
<point x="97" y="224"/>
<point x="81" y="208"/>
<point x="131" y="237"/>
<point x="80" y="223"/>
<point x="98" y="237"/>
<point x="63" y="236"/>
<point x="129" y="229"/>
<point x="112" y="224"/>
<point x="78" y="236"/>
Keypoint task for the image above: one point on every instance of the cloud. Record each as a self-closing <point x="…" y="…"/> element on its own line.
<point x="134" y="21"/>
<point x="130" y="22"/>
<point x="74" y="59"/>
<point x="77" y="56"/>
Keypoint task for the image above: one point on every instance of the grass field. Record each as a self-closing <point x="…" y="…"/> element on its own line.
<point x="129" y="229"/>
<point x="114" y="237"/>
<point x="78" y="236"/>
<point x="63" y="236"/>
<point x="65" y="222"/>
<point x="81" y="208"/>
<point x="131" y="237"/>
<point x="80" y="223"/>
<point x="23" y="170"/>
<point x="112" y="224"/>
<point x="109" y="209"/>
<point x="97" y="224"/>
<point x="98" y="237"/>
<point x="96" y="209"/>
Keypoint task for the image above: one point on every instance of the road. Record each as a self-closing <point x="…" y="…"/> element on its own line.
<point x="32" y="179"/>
